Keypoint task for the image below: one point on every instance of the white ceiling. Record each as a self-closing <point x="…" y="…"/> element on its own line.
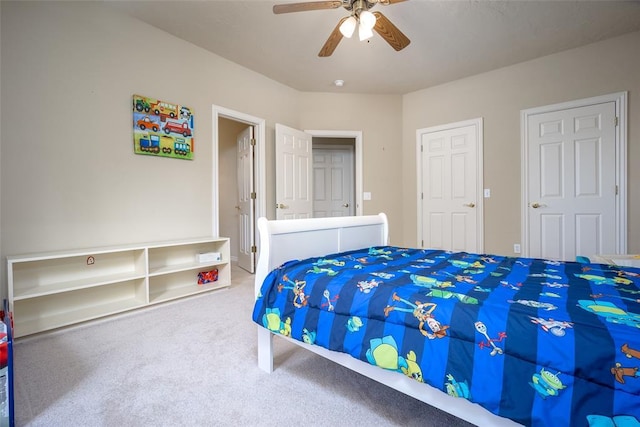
<point x="449" y="39"/>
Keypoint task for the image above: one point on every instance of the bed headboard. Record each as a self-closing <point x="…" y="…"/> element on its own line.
<point x="288" y="239"/>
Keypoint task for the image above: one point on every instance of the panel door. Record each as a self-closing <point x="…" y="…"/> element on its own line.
<point x="246" y="200"/>
<point x="572" y="183"/>
<point x="450" y="188"/>
<point x="333" y="182"/>
<point x="293" y="173"/>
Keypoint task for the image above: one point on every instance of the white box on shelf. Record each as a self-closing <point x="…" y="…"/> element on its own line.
<point x="209" y="257"/>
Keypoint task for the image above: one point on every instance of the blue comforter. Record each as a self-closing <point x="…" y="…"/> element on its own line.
<point x="541" y="342"/>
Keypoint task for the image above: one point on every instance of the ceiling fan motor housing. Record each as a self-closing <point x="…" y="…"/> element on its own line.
<point x="358" y="5"/>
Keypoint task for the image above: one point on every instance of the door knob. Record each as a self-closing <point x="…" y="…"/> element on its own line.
<point x="471" y="205"/>
<point x="346" y="205"/>
<point x="535" y="205"/>
<point x="281" y="206"/>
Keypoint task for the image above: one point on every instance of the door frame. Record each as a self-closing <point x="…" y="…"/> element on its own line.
<point x="357" y="136"/>
<point x="620" y="100"/>
<point x="479" y="124"/>
<point x="259" y="164"/>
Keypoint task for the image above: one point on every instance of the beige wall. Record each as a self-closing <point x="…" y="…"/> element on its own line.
<point x="499" y="96"/>
<point x="69" y="175"/>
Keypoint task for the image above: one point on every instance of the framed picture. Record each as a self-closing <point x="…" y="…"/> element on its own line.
<point x="162" y="128"/>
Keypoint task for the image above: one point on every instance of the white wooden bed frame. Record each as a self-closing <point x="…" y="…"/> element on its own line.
<point x="285" y="240"/>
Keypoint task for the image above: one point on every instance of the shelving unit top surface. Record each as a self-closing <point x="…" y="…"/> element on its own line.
<point x="41" y="256"/>
<point x="106" y="249"/>
<point x="158" y="245"/>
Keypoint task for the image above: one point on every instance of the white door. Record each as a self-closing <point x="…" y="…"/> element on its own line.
<point x="294" y="198"/>
<point x="450" y="202"/>
<point x="572" y="182"/>
<point x="246" y="200"/>
<point x="333" y="182"/>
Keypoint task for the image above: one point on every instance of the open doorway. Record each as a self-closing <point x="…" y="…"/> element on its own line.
<point x="295" y="180"/>
<point x="347" y="138"/>
<point x="236" y="217"/>
<point x="333" y="177"/>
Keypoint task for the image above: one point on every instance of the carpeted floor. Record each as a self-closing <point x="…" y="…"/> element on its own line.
<point x="193" y="362"/>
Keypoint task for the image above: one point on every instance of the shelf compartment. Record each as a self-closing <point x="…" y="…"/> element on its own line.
<point x="168" y="259"/>
<point x="54" y="311"/>
<point x="56" y="288"/>
<point x="53" y="275"/>
<point x="182" y="283"/>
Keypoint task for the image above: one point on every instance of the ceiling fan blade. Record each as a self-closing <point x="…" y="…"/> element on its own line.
<point x="390" y="32"/>
<point x="303" y="7"/>
<point x="333" y="40"/>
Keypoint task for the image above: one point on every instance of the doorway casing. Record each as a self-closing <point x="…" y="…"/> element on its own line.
<point x="357" y="137"/>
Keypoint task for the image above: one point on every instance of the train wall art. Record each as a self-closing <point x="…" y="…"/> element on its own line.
<point x="162" y="128"/>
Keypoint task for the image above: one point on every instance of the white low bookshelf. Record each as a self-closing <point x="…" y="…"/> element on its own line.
<point x="52" y="290"/>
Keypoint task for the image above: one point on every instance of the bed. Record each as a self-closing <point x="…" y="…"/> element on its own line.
<point x="493" y="340"/>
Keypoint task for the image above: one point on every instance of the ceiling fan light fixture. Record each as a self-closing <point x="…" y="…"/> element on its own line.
<point x="364" y="33"/>
<point x="367" y="19"/>
<point x="359" y="16"/>
<point x="348" y="27"/>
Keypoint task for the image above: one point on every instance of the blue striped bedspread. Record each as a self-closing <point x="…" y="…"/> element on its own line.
<point x="544" y="343"/>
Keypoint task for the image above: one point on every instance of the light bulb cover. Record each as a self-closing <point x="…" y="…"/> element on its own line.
<point x="348" y="27"/>
<point x="364" y="33"/>
<point x="367" y="19"/>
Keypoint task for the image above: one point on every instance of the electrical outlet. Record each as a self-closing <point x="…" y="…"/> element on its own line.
<point x="516" y="248"/>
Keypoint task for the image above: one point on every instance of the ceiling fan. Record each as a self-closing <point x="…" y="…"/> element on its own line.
<point x="360" y="17"/>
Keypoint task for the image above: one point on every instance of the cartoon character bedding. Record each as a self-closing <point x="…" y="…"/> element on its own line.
<point x="543" y="343"/>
